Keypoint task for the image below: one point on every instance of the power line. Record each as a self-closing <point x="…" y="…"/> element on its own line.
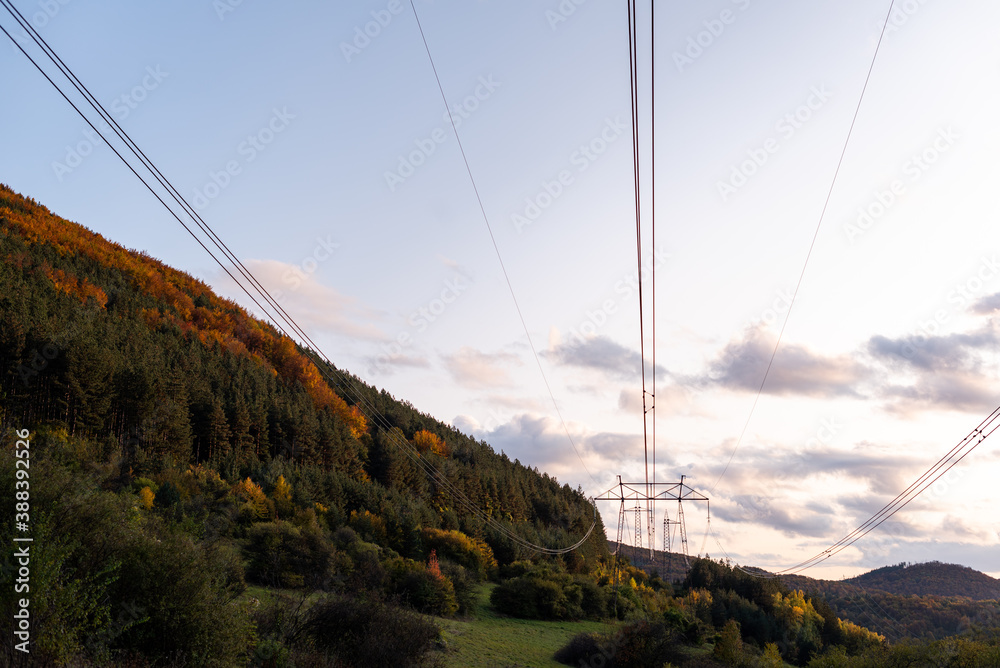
<point x="940" y="468"/>
<point x="652" y="195"/>
<point x="931" y="475"/>
<point x="282" y="315"/>
<point x="633" y="41"/>
<point x="812" y="245"/>
<point x="496" y="247"/>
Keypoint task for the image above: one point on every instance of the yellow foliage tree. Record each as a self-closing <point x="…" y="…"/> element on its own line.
<point x="282" y="490"/>
<point x="370" y="526"/>
<point x="251" y="492"/>
<point x="146" y="496"/>
<point x="460" y="548"/>
<point x="857" y="638"/>
<point x="282" y="495"/>
<point x="729" y="647"/>
<point x="771" y="657"/>
<point x="427" y="441"/>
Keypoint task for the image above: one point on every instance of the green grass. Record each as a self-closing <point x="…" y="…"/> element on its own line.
<point x="491" y="640"/>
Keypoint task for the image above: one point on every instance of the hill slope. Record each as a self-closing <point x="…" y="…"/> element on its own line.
<point x="111" y="344"/>
<point x="931" y="578"/>
<point x="915" y="600"/>
<point x="181" y="450"/>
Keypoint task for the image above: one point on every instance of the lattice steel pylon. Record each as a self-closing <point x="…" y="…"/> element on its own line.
<point x="668" y="557"/>
<point x="638" y="494"/>
<point x="684" y="533"/>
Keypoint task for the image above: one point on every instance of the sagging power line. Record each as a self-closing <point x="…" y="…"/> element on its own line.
<point x="274" y="312"/>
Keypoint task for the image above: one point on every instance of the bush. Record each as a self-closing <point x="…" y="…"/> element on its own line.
<point x="543" y="593"/>
<point x="167" y="496"/>
<point x="473" y="554"/>
<point x="636" y="645"/>
<point x="584" y="649"/>
<point x="120" y="584"/>
<point x="421" y="589"/>
<point x="367" y="633"/>
<point x="466" y="587"/>
<point x="284" y="555"/>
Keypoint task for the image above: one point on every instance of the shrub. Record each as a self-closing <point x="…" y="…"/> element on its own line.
<point x="120" y="585"/>
<point x="473" y="554"/>
<point x="583" y="650"/>
<point x="284" y="555"/>
<point x="465" y="586"/>
<point x="421" y="589"/>
<point x="634" y="645"/>
<point x="168" y="495"/>
<point x="534" y="597"/>
<point x="367" y="633"/>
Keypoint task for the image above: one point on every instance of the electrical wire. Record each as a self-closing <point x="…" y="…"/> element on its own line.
<point x="940" y="468"/>
<point x="812" y="245"/>
<point x="367" y="408"/>
<point x="496" y="247"/>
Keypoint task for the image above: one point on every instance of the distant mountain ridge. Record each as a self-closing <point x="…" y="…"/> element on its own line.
<point x="931" y="579"/>
<point x="905" y="600"/>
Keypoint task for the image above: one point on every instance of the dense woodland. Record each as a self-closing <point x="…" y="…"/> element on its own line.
<point x="929" y="600"/>
<point x="931" y="578"/>
<point x="204" y="492"/>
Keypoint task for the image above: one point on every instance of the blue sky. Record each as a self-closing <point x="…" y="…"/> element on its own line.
<point x="323" y="155"/>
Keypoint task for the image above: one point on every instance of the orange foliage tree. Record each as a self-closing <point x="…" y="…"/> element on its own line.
<point x="214" y="320"/>
<point x="426" y="441"/>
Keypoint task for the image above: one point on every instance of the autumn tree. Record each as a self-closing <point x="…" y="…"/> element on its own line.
<point x="426" y="441"/>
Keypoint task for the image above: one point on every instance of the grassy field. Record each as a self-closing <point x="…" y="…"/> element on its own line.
<point x="490" y="640"/>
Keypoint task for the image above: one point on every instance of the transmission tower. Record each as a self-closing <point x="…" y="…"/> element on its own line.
<point x="633" y="497"/>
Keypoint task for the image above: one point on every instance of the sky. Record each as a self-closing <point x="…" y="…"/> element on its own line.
<point x="314" y="139"/>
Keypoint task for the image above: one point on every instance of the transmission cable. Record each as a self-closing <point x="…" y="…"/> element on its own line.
<point x="496" y="247"/>
<point x="812" y="245"/>
<point x="940" y="468"/>
<point x="255" y="284"/>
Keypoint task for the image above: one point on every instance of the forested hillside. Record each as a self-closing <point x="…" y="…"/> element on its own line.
<point x="912" y="600"/>
<point x="113" y="345"/>
<point x="160" y="398"/>
<point x="931" y="578"/>
<point x="930" y="600"/>
<point x="201" y="491"/>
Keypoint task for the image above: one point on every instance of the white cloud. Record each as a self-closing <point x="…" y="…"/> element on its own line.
<point x="316" y="307"/>
<point x="475" y="369"/>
